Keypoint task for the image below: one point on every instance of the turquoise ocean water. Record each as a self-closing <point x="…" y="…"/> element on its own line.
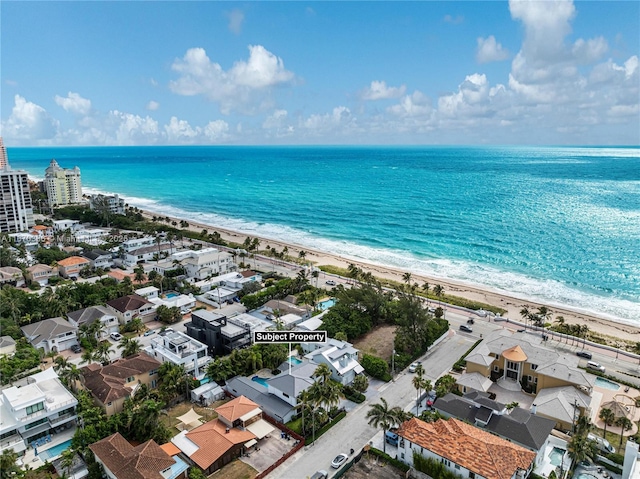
<point x="557" y="225"/>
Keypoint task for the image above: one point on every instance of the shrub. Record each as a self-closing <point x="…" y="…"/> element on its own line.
<point x="376" y="367"/>
<point x="394" y="462"/>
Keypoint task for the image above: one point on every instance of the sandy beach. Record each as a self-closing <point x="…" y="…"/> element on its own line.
<point x="513" y="305"/>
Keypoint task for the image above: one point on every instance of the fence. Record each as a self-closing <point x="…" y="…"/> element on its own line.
<point x="293" y="450"/>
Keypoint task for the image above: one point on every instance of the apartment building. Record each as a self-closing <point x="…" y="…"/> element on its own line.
<point x="16" y="210"/>
<point x="62" y="185"/>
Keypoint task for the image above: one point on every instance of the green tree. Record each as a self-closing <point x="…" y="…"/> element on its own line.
<point x="625" y="424"/>
<point x="139" y="274"/>
<point x="360" y="383"/>
<point x="418" y="383"/>
<point x="608" y="417"/>
<point x="445" y="385"/>
<point x="381" y="415"/>
<point x="102" y="352"/>
<point x="8" y="467"/>
<point x="129" y="346"/>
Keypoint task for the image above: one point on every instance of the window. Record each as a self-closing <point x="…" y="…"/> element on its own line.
<point x="109" y="403"/>
<point x="457" y="466"/>
<point x="130" y="379"/>
<point x="154" y="383"/>
<point x="36" y="423"/>
<point x="152" y="372"/>
<point x="534" y="367"/>
<point x="472" y="475"/>
<point x="35" y="408"/>
<point x="496" y="368"/>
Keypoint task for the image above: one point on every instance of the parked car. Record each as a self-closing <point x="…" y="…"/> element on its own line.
<point x="595" y="366"/>
<point x="339" y="461"/>
<point x="150" y="332"/>
<point x="584" y="354"/>
<point x="602" y="443"/>
<point x="330" y="282"/>
<point x="116" y="336"/>
<point x="76" y="348"/>
<point x="391" y="436"/>
<point x="465" y="328"/>
<point x="321" y="474"/>
<point x="414" y="366"/>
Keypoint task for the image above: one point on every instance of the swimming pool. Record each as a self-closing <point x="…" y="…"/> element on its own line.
<point x="326" y="304"/>
<point x="606" y="384"/>
<point x="294" y="360"/>
<point x="54" y="451"/>
<point x="555" y="456"/>
<point x="260" y="380"/>
<point x="171" y="294"/>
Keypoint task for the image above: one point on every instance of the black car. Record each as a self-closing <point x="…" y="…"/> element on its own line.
<point x="584" y="354"/>
<point x="76" y="348"/>
<point x="465" y="328"/>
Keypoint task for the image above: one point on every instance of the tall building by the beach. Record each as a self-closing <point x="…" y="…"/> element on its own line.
<point x="62" y="185"/>
<point x="16" y="211"/>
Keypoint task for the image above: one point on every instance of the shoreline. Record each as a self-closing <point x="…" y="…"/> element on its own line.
<point x="513" y="305"/>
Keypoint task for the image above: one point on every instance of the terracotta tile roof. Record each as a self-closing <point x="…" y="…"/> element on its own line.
<point x="170" y="448"/>
<point x="236" y="408"/>
<point x="474" y="449"/>
<point x="145" y="461"/>
<point x="214" y="441"/>
<point x="73" y="261"/>
<point x="108" y="383"/>
<point x="119" y="275"/>
<point x="131" y="302"/>
<point x="41" y="227"/>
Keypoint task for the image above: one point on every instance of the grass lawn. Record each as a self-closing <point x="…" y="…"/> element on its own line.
<point x="171" y="421"/>
<point x="377" y="342"/>
<point x="235" y="470"/>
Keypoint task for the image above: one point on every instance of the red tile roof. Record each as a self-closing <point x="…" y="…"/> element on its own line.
<point x="73" y="261"/>
<point x="474" y="449"/>
<point x="236" y="408"/>
<point x="145" y="461"/>
<point x="214" y="441"/>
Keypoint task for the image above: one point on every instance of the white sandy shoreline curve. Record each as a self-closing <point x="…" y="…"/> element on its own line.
<point x="513" y="304"/>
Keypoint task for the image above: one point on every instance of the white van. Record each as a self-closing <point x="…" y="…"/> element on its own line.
<point x="602" y="443"/>
<point x="595" y="366"/>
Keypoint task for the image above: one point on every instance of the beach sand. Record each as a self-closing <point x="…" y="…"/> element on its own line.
<point x="513" y="305"/>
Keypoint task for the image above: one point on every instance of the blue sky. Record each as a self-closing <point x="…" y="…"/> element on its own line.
<point x="140" y="73"/>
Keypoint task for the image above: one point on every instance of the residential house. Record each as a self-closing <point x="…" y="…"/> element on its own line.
<point x="220" y="334"/>
<point x="92" y="236"/>
<point x="43" y="233"/>
<point x="99" y="258"/>
<point x="277" y="308"/>
<point x="36" y="412"/>
<point x="516" y="425"/>
<point x="12" y="275"/>
<point x="204" y="263"/>
<point x="178" y="348"/>
<point x="147" y="253"/>
<point x="562" y="405"/>
<point x="136" y="243"/>
<point x="111" y="385"/>
<point x="149" y="292"/>
<point x="70" y="267"/>
<point x="184" y="302"/>
<point x="87" y="316"/>
<point x="340" y="356"/>
<point x="7" y="346"/>
<point x="464" y="449"/>
<point x="509" y="357"/>
<point x="60" y="226"/>
<point x="53" y="334"/>
<point x="41" y="273"/>
<point x="121" y="460"/>
<point x="218" y="442"/>
<point x="132" y="306"/>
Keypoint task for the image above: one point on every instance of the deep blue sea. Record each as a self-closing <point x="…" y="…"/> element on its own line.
<point x="556" y="225"/>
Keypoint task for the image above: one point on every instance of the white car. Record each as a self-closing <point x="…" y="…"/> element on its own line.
<point x="116" y="336"/>
<point x="339" y="461"/>
<point x="330" y="282"/>
<point x="414" y="366"/>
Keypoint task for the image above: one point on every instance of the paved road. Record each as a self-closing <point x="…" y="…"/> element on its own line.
<point x="354" y="431"/>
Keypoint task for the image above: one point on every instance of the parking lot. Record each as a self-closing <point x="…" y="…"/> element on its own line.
<point x="269" y="450"/>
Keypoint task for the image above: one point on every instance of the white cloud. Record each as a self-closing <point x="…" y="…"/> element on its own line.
<point x="28" y="123"/>
<point x="128" y="129"/>
<point x="276" y="120"/>
<point x="236" y="18"/>
<point x="490" y="51"/>
<point x="471" y="99"/>
<point x="414" y="105"/>
<point x="339" y="117"/>
<point x="454" y="19"/>
<point x="235" y="89"/>
<point x="153" y="105"/>
<point x="216" y="131"/>
<point x="378" y="90"/>
<point x="74" y="103"/>
<point x="590" y="50"/>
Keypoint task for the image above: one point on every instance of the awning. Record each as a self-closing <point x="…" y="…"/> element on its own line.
<point x="250" y="414"/>
<point x="190" y="420"/>
<point x="260" y="428"/>
<point x="250" y="443"/>
<point x="358" y="369"/>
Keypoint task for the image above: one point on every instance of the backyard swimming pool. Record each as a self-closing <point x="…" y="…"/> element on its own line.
<point x="555" y="456"/>
<point x="171" y="294"/>
<point x="294" y="360"/>
<point x="55" y="451"/>
<point x="260" y="380"/>
<point x="606" y="384"/>
<point x="326" y="304"/>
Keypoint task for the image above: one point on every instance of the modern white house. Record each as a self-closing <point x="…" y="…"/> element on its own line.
<point x="63" y="225"/>
<point x="136" y="243"/>
<point x="204" y="263"/>
<point x="178" y="348"/>
<point x="233" y="281"/>
<point x="148" y="292"/>
<point x="87" y="316"/>
<point x="147" y="253"/>
<point x="340" y="356"/>
<point x="53" y="334"/>
<point x="35" y="413"/>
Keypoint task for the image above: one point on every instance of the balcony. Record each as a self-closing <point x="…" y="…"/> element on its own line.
<point x="61" y="419"/>
<point x="12" y="442"/>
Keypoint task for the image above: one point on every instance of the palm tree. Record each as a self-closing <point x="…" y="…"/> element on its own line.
<point x="302" y="255"/>
<point x="583" y="425"/>
<point x="406" y="277"/>
<point x="580" y="448"/>
<point x="322" y="374"/>
<point x="62" y="363"/>
<point x="607" y="416"/>
<point x="139" y="274"/>
<point x="304" y="402"/>
<point x="71" y="375"/>
<point x="102" y="352"/>
<point x="380" y="415"/>
<point x="625" y="424"/>
<point x="525" y="313"/>
<point x="87" y="356"/>
<point x="129" y="346"/>
<point x="418" y="383"/>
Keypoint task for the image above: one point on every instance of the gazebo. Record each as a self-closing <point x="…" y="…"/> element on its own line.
<point x="189" y="421"/>
<point x="618" y="408"/>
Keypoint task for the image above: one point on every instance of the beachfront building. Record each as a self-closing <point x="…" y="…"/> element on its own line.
<point x="340" y="356"/>
<point x="563" y="405"/>
<point x="11" y="275"/>
<point x="136" y="243"/>
<point x="62" y="185"/>
<point x="127" y="308"/>
<point x="233" y="281"/>
<point x="53" y="334"/>
<point x="16" y="210"/>
<point x="111" y="385"/>
<point x="41" y="273"/>
<point x="87" y="316"/>
<point x="70" y="267"/>
<point x="517" y="360"/>
<point x="464" y="449"/>
<point x="220" y="334"/>
<point x="238" y="427"/>
<point x="60" y="226"/>
<point x="179" y="349"/>
<point x="4" y="160"/>
<point x="112" y="203"/>
<point x="34" y="414"/>
<point x="204" y="263"/>
<point x="147" y="253"/>
<point x="121" y="460"/>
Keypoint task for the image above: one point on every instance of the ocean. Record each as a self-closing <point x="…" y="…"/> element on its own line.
<point x="558" y="225"/>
